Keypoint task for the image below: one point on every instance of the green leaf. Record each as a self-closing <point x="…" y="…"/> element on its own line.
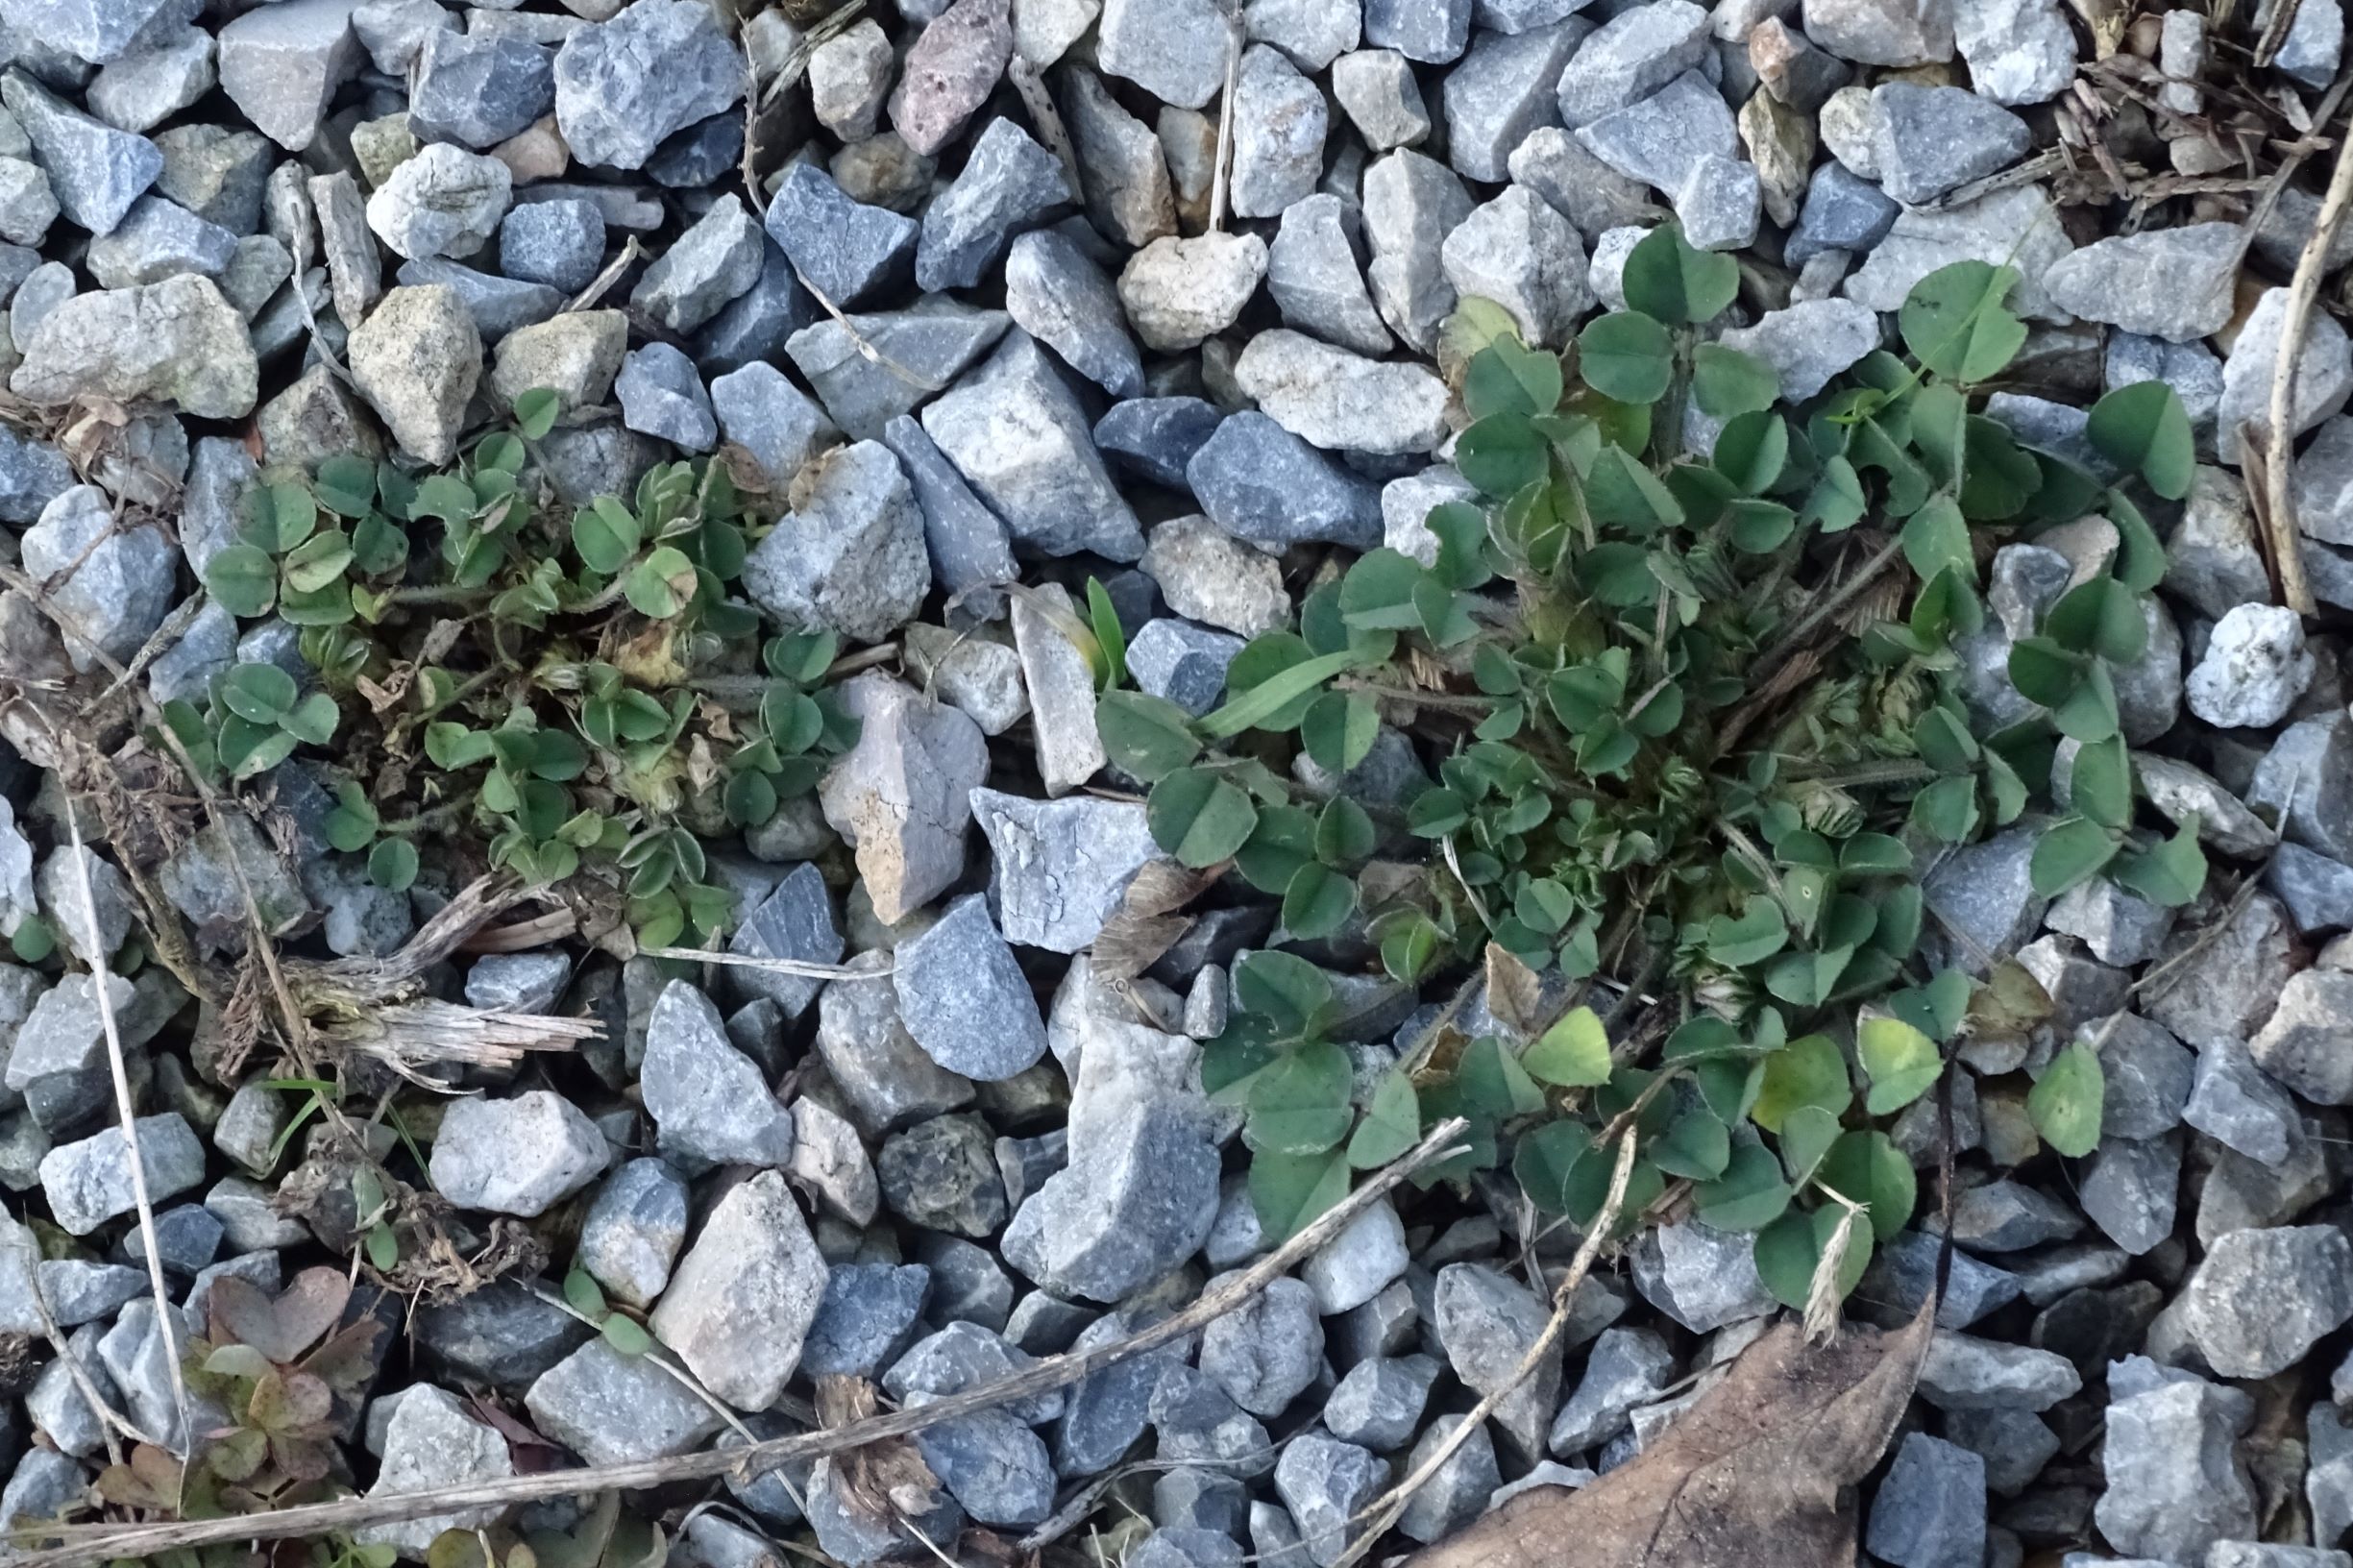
<point x="1791" y="1248"/>
<point x="535" y="411"/>
<point x="345" y="485"/>
<point x="2144" y="429"/>
<point x="1936" y="537"/>
<point x="243" y="578"/>
<point x="1340" y="729"/>
<point x="1749" y="1196"/>
<point x="660" y="585"/>
<point x="605" y="534"/>
<point x="625" y="1334"/>
<point x="1626" y="355"/>
<point x="2065" y="1103"/>
<point x="2069" y="853"/>
<point x="293" y="513"/>
<point x="2102" y="617"/>
<point x="2172" y="872"/>
<point x="583" y="1293"/>
<point x="1502" y="454"/>
<point x="1111" y="639"/>
<point x="1751" y="937"/>
<point x="1752" y="451"/>
<point x="1282" y="840"/>
<point x="1667" y="279"/>
<point x="2099" y="785"/>
<point x="1572" y="1053"/>
<point x="1261" y="704"/>
<point x="1726" y="381"/>
<point x="1695" y="1147"/>
<point x="1507" y="377"/>
<point x="261" y="693"/>
<point x="1199" y="816"/>
<point x="1291" y="1190"/>
<point x="1836" y="503"/>
<point x="1299" y="1103"/>
<point x="312" y="720"/>
<point x="454" y="746"/>
<point x="444" y="495"/>
<point x="1495" y="1082"/>
<point x="1900" y="1061"/>
<point x="1283" y="987"/>
<point x="1545" y="1160"/>
<point x="2043" y="671"/>
<point x="1148" y="737"/>
<point x="1807" y="1134"/>
<point x="1317" y="901"/>
<point x="1621" y="491"/>
<point x="1392" y="1124"/>
<point x="1345" y="833"/>
<point x="1955" y="324"/>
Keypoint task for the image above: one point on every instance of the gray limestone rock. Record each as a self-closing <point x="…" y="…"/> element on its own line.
<point x="1807" y="344"/>
<point x="2303" y="1043"/>
<point x="760" y="410"/>
<point x="120" y="584"/>
<point x="517" y="1156"/>
<point x="281" y="65"/>
<point x="710" y="264"/>
<point x="1132" y="1205"/>
<point x="2239" y="1105"/>
<point x="1020" y="438"/>
<point x="1316" y="280"/>
<point x="849" y="76"/>
<point x="845" y="249"/>
<point x="1379" y="1404"/>
<point x="177" y="340"/>
<point x="1060" y="867"/>
<point x="866" y="1319"/>
<point x="1278" y="126"/>
<point x="1262" y="483"/>
<point x="1008" y="184"/>
<point x="970" y="551"/>
<point x="1930" y="1509"/>
<point x="1986" y="894"/>
<point x="2169" y="283"/>
<point x="964" y="998"/>
<point x="1267" y="1351"/>
<point x="2129" y="1190"/>
<point x="1340" y="401"/>
<point x="1325" y="1483"/>
<point x="612" y="1409"/>
<point x="1626" y="1368"/>
<point x="2175" y="1485"/>
<point x="478" y="91"/>
<point x="626" y="84"/>
<point x="1487" y="1323"/>
<point x="417" y="360"/>
<point x="708" y="1100"/>
<point x="744" y="1294"/>
<point x="632" y="1232"/>
<point x="92" y="170"/>
<point x="1457" y="1490"/>
<point x="2262" y="1297"/>
<point x="2316" y="890"/>
<point x="88" y="1183"/>
<point x="1962" y="1372"/>
<point x="885" y="1079"/>
<point x="431" y="1442"/>
<point x="1928" y="140"/>
<point x="1662" y="138"/>
<point x="1122" y="170"/>
<point x="1360" y="1262"/>
<point x="899" y="797"/>
<point x="1504" y="88"/>
<point x="1059" y="679"/>
<point x="499" y="306"/>
<point x="2323" y="377"/>
<point x="140" y="89"/>
<point x="1055" y="292"/>
<point x="2015" y="227"/>
<point x="1375" y="88"/>
<point x="850" y="555"/>
<point x="1156" y="437"/>
<point x="1173" y="49"/>
<point x="443" y="201"/>
<point x="1522" y="254"/>
<point x="1635" y="53"/>
<point x="662" y="396"/>
<point x="1183" y="662"/>
<point x="27" y="209"/>
<point x="934" y="340"/>
<point x="1702" y="1277"/>
<point x="2254" y="668"/>
<point x="1411" y="204"/>
<point x="575" y="355"/>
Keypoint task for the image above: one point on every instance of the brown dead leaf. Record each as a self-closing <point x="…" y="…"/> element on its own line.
<point x="1515" y="996"/>
<point x="1146" y="925"/>
<point x="1752" y="1475"/>
<point x="885" y="1478"/>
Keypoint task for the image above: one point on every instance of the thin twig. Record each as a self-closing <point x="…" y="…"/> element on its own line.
<point x="2279" y="446"/>
<point x="773" y="965"/>
<point x="95" y="1543"/>
<point x="1219" y="176"/>
<point x="100" y="974"/>
<point x="630" y="251"/>
<point x="1844" y="595"/>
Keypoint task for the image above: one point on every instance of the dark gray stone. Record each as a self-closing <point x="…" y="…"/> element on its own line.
<point x="560" y="244"/>
<point x="1260" y="483"/>
<point x="624" y="86"/>
<point x="1007" y="185"/>
<point x="1930" y="1509"/>
<point x="868" y="1313"/>
<point x="1058" y="295"/>
<point x="847" y="250"/>
<point x="963" y="996"/>
<point x="95" y="171"/>
<point x="478" y="91"/>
